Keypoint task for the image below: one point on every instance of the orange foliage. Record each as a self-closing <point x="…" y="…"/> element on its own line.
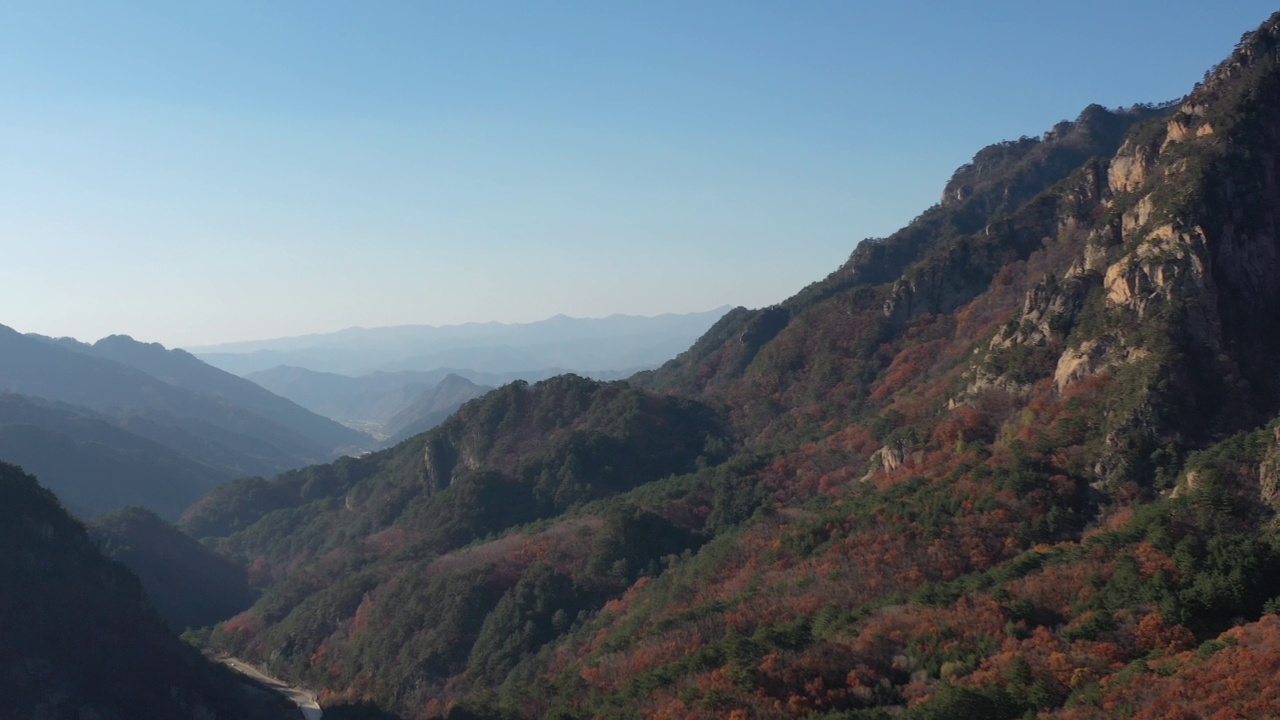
<point x="1236" y="681"/>
<point x="1154" y="633"/>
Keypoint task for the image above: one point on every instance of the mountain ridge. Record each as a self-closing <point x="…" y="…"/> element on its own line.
<point x="180" y="368"/>
<point x="189" y="585"/>
<point x="251" y="345"/>
<point x="433" y="407"/>
<point x="64" y="443"/>
<point x="576" y="344"/>
<point x="60" y="396"/>
<point x="371" y="402"/>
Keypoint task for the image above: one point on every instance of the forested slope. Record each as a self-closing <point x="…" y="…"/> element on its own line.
<point x="402" y="566"/>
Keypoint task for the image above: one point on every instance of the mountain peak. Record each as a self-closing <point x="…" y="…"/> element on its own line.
<point x="454" y="380"/>
<point x="126" y="343"/>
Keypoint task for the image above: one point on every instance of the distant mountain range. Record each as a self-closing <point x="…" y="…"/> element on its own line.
<point x="383" y="380"/>
<point x="383" y="403"/>
<point x="121" y="422"/>
<point x="94" y="464"/>
<point x="581" y="345"/>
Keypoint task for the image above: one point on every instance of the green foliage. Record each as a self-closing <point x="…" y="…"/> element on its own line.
<point x="470" y="508"/>
<point x="1021" y="363"/>
<point x="1093" y="627"/>
<point x="426" y="625"/>
<point x="540" y="607"/>
<point x="961" y="703"/>
<point x="1209" y="647"/>
<point x="1221" y="559"/>
<point x="935" y="651"/>
<point x="633" y="541"/>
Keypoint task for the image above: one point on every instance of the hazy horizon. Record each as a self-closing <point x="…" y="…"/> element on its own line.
<point x="354" y="328"/>
<point x="357" y="328"/>
<point x="195" y="175"/>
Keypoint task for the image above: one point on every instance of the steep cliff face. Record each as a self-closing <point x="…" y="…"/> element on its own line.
<point x="996" y="210"/>
<point x="953" y="275"/>
<point x="1141" y="212"/>
<point x="1269" y="474"/>
<point x="1003" y="177"/>
<point x="1174" y="290"/>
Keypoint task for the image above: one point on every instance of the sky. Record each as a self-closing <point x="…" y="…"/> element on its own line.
<point x="197" y="172"/>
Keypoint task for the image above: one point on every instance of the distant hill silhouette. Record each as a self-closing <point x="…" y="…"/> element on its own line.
<point x="433" y="407"/>
<point x="93" y="464"/>
<point x="182" y="369"/>
<point x="370" y="402"/>
<point x="366" y="401"/>
<point x="123" y="423"/>
<point x="614" y="343"/>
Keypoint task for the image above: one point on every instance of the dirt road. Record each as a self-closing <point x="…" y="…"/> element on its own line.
<point x="305" y="700"/>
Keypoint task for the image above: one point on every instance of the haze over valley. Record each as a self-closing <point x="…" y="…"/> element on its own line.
<point x="387" y="381"/>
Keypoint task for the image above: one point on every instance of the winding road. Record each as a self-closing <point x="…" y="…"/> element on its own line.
<point x="305" y="700"/>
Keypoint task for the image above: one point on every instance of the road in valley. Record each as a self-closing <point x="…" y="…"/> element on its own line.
<point x="305" y="700"/>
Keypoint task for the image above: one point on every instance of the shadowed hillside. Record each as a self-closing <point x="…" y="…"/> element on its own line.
<point x="80" y="639"/>
<point x="190" y="585"/>
<point x="93" y="464"/>
<point x="107" y="433"/>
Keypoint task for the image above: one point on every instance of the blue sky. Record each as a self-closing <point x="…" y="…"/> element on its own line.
<point x="192" y="173"/>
